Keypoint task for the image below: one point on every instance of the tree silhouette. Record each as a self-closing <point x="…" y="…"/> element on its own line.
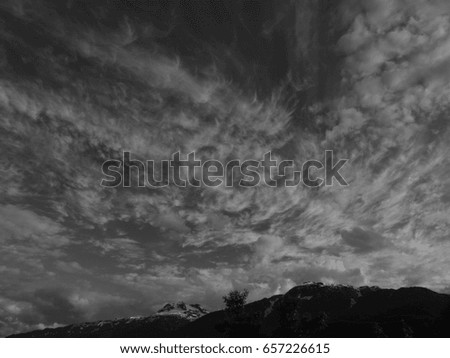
<point x="235" y="301"/>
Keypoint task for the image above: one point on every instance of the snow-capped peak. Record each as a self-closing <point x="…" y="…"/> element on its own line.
<point x="189" y="311"/>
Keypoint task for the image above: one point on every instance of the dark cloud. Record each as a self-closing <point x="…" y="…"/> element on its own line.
<point x="54" y="306"/>
<point x="364" y="241"/>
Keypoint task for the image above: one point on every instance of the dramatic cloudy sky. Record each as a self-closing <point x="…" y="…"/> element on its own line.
<point x="81" y="81"/>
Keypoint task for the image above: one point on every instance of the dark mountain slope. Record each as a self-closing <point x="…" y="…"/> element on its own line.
<point x="317" y="310"/>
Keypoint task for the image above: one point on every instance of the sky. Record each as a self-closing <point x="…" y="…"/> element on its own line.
<point x="82" y="81"/>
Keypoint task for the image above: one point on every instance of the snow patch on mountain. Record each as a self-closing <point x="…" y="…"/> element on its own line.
<point x="181" y="309"/>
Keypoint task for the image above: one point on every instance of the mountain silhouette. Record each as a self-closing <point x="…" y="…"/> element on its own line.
<point x="309" y="310"/>
<point x="162" y="324"/>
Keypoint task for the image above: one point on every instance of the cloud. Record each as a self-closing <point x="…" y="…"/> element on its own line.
<point x="53" y="305"/>
<point x="364" y="241"/>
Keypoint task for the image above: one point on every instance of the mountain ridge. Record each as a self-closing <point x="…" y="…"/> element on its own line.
<point x="312" y="309"/>
<point x="170" y="317"/>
